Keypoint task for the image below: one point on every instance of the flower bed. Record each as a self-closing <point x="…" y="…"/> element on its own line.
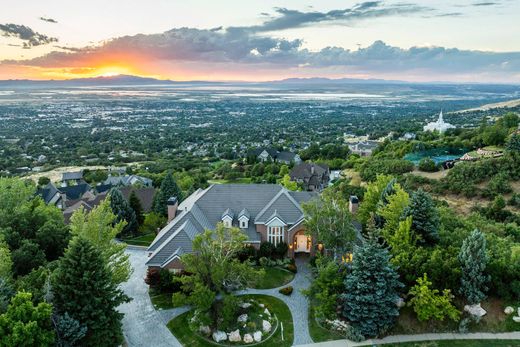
<point x="252" y="323"/>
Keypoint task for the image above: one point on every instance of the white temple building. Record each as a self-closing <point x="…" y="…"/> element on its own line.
<point x="440" y="125"/>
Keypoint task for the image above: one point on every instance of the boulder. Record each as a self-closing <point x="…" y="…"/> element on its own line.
<point x="266" y="326"/>
<point x="261" y="305"/>
<point x="508" y="310"/>
<point x="242" y="318"/>
<point x="516" y="319"/>
<point x="266" y="311"/>
<point x="248" y="338"/>
<point x="400" y="303"/>
<point x="257" y="336"/>
<point x="205" y="330"/>
<point x="219" y="336"/>
<point x="245" y="305"/>
<point x="234" y="336"/>
<point x="475" y="310"/>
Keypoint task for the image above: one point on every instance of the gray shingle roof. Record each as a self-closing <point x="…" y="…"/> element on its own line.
<point x="244" y="213"/>
<point x="203" y="210"/>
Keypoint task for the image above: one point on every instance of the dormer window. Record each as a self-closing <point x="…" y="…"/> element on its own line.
<point x="243" y="219"/>
<point x="227" y="218"/>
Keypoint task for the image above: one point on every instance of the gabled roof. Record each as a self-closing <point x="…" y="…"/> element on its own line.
<point x="67" y="176"/>
<point x="48" y="192"/>
<point x="285" y="205"/>
<point x="244" y="213"/>
<point x="228" y="213"/>
<point x="274" y="216"/>
<point x="145" y="195"/>
<point x="75" y="192"/>
<point x="304" y="170"/>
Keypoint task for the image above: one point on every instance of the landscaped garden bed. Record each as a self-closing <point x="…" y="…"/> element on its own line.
<point x="259" y="320"/>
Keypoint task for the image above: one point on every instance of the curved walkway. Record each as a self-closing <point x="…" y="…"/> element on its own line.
<point x="297" y="302"/>
<point x="420" y="337"/>
<point x="142" y="324"/>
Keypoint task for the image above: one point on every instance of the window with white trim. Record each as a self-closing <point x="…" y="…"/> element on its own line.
<point x="227" y="223"/>
<point x="275" y="235"/>
<point x="243" y="224"/>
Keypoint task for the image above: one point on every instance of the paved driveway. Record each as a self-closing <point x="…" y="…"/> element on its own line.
<point x="142" y="324"/>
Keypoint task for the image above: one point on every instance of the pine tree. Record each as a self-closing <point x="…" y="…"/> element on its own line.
<point x="123" y="211"/>
<point x="371" y="290"/>
<point x="84" y="290"/>
<point x="135" y="204"/>
<point x="473" y="260"/>
<point x="425" y="217"/>
<point x="169" y="188"/>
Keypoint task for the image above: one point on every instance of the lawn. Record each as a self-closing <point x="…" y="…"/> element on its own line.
<point x="458" y="343"/>
<point x="179" y="325"/>
<point x="160" y="301"/>
<point x="274" y="277"/>
<point x="143" y="240"/>
<point x="319" y="334"/>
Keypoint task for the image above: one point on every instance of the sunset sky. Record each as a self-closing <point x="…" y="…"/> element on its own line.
<point x="457" y="40"/>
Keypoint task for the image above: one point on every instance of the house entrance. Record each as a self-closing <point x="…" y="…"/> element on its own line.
<point x="302" y="244"/>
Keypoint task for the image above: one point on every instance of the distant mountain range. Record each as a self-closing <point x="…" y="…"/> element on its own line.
<point x="129" y="80"/>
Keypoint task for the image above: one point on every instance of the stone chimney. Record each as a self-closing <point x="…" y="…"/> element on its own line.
<point x="312" y="169"/>
<point x="353" y="204"/>
<point x="172" y="203"/>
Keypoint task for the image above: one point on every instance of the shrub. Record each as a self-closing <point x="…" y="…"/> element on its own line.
<point x="281" y="250"/>
<point x="292" y="268"/>
<point x="354" y="334"/>
<point x="428" y="165"/>
<point x="228" y="311"/>
<point x="247" y="253"/>
<point x="286" y="290"/>
<point x="266" y="250"/>
<point x="179" y="299"/>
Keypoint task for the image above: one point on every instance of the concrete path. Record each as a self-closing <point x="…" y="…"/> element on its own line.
<point x="142" y="324"/>
<point x="297" y="302"/>
<point x="420" y="337"/>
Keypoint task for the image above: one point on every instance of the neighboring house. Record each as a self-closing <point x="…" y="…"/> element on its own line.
<point x="72" y="177"/>
<point x="59" y="196"/>
<point x="265" y="212"/>
<point x="266" y="154"/>
<point x="128" y="180"/>
<point x="363" y="148"/>
<point x="334" y="175"/>
<point x="88" y="204"/>
<point x="313" y="177"/>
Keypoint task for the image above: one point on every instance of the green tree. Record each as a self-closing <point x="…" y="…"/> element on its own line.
<point x="427" y="165"/>
<point x="428" y="303"/>
<point x="99" y="227"/>
<point x="391" y="213"/>
<point x="169" y="188"/>
<point x="123" y="212"/>
<point x="135" y="204"/>
<point x="214" y="266"/>
<point x="152" y="222"/>
<point x="513" y="144"/>
<point x="26" y="325"/>
<point x="372" y="197"/>
<point x="371" y="290"/>
<point x="43" y="181"/>
<point x="83" y="288"/>
<point x="287" y="183"/>
<point x="328" y="220"/>
<point x="473" y="260"/>
<point x="425" y="217"/>
<point x="6" y="263"/>
<point x="29" y="256"/>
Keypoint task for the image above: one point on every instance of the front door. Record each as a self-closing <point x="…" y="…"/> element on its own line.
<point x="302" y="244"/>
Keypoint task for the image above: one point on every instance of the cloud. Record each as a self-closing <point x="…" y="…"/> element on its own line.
<point x="29" y="37"/>
<point x="289" y="19"/>
<point x="49" y="20"/>
<point x="489" y="3"/>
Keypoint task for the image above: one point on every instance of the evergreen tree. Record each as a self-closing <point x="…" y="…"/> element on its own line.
<point x="83" y="289"/>
<point x="135" y="204"/>
<point x="425" y="217"/>
<point x="473" y="260"/>
<point x="169" y="188"/>
<point x="26" y="325"/>
<point x="371" y="290"/>
<point x="123" y="211"/>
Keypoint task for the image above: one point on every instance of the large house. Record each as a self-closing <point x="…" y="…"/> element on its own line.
<point x="363" y="148"/>
<point x="265" y="212"/>
<point x="272" y="154"/>
<point x="58" y="196"/>
<point x="128" y="180"/>
<point x="313" y="177"/>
